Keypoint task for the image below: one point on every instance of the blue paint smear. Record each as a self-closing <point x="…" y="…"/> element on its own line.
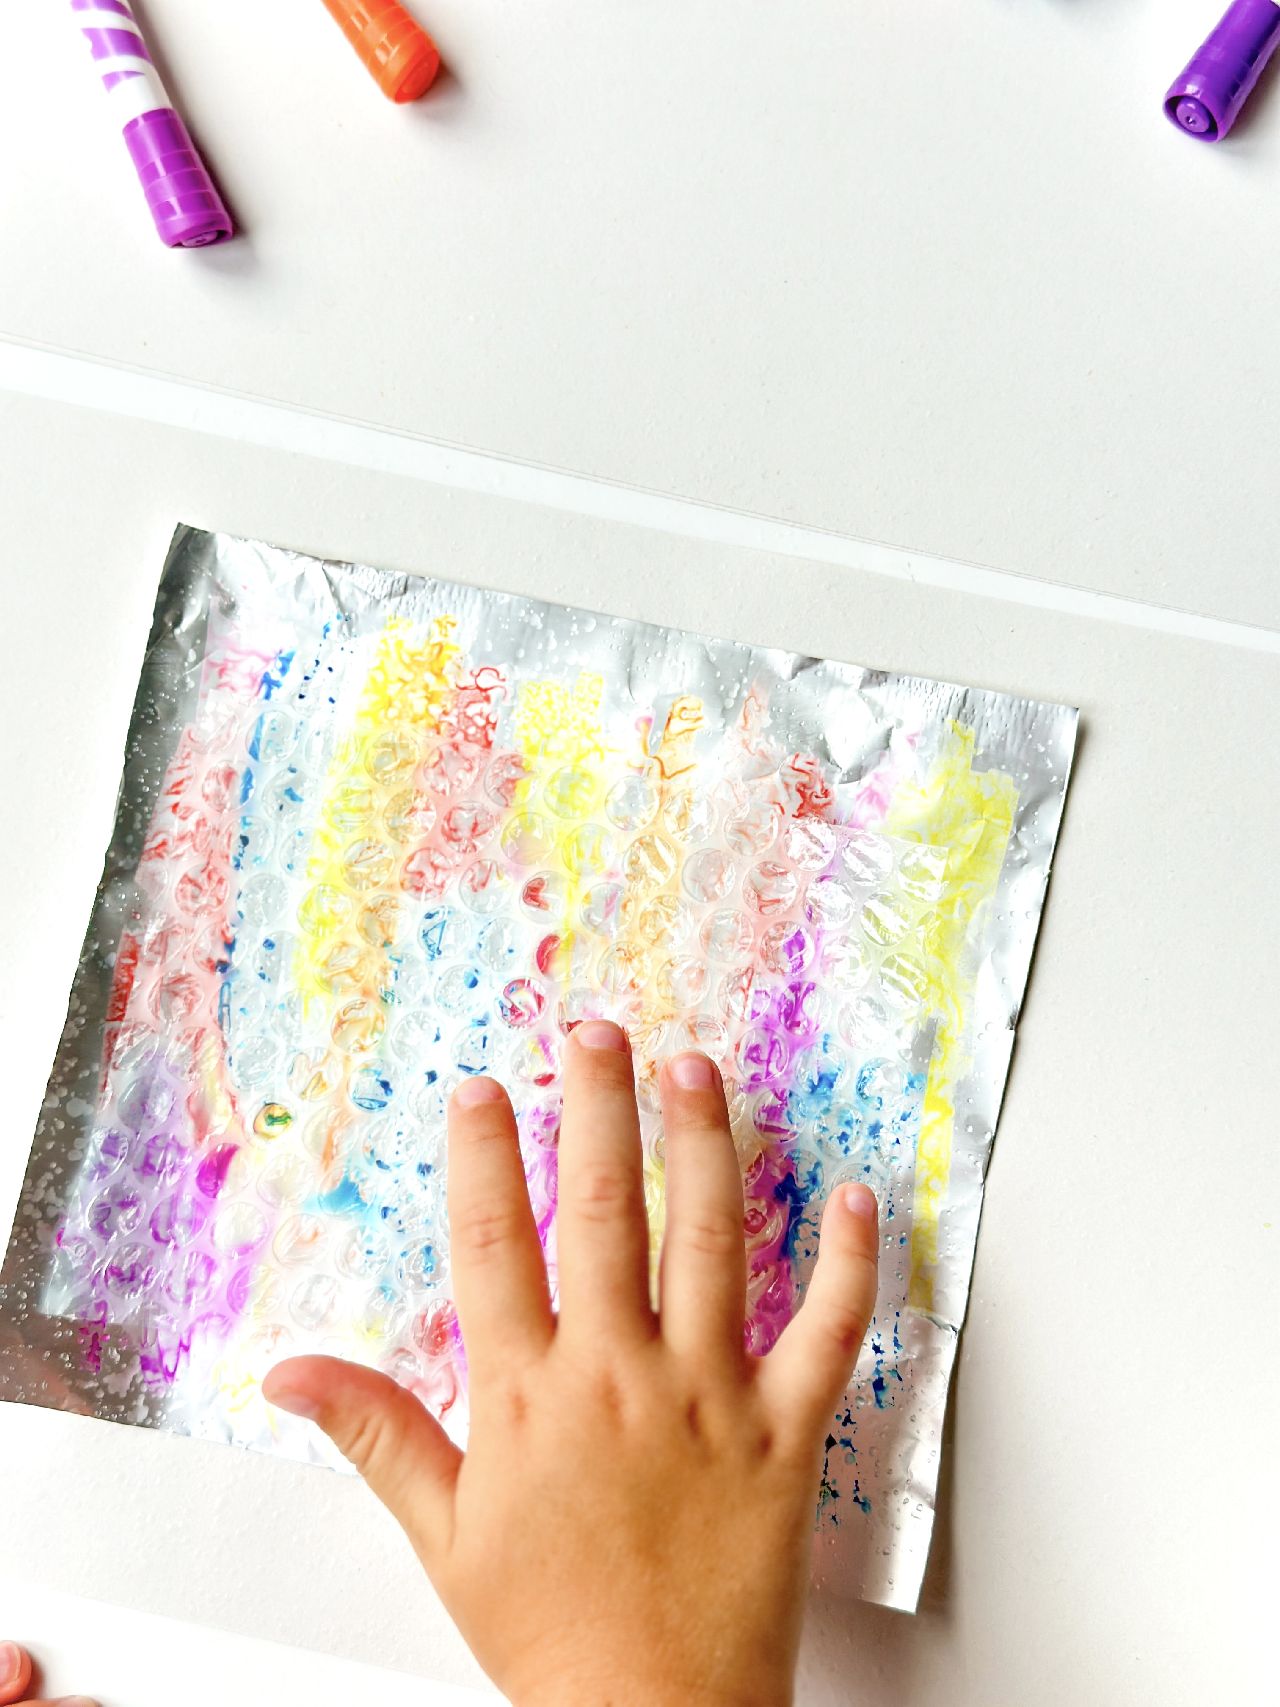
<point x="344" y="1199"/>
<point x="271" y="682"/>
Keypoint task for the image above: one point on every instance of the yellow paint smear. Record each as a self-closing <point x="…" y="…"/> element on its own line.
<point x="969" y="814"/>
<point x="407" y="689"/>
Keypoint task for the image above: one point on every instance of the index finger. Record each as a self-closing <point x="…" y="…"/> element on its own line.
<point x="499" y="1275"/>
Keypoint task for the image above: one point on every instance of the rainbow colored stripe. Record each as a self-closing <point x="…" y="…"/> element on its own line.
<point x="353" y="898"/>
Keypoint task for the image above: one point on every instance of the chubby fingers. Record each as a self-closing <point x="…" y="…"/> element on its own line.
<point x="391" y="1439"/>
<point x="15" y="1680"/>
<point x="703" y="1250"/>
<point x="15" y="1672"/>
<point x="809" y="1368"/>
<point x="499" y="1274"/>
<point x="602" y="1236"/>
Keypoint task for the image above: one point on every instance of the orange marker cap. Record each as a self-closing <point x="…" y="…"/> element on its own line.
<point x="400" y="55"/>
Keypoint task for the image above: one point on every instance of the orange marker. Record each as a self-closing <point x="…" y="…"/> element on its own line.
<point x="401" y="57"/>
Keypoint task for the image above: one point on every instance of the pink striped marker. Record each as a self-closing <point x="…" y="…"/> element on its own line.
<point x="187" y="209"/>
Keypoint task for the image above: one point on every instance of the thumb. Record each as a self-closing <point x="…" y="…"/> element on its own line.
<point x="389" y="1436"/>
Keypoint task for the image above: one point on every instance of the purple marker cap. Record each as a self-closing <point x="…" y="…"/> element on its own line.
<point x="186" y="207"/>
<point x="1206" y="99"/>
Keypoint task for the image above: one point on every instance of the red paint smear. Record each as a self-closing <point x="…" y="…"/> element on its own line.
<point x="118" y="1001"/>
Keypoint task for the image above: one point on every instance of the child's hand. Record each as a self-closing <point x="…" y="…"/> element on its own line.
<point x="631" y="1522"/>
<point x="15" y="1681"/>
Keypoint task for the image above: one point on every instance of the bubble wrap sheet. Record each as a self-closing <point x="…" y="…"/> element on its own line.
<point x="376" y="833"/>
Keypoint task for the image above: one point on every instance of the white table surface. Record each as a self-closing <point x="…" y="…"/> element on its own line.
<point x="941" y="278"/>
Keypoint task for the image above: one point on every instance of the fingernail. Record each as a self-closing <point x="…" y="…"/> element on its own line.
<point x="74" y="1701"/>
<point x="297" y="1404"/>
<point x="860" y="1200"/>
<point x="471" y="1092"/>
<point x="693" y="1072"/>
<point x="10" y="1663"/>
<point x="600" y="1034"/>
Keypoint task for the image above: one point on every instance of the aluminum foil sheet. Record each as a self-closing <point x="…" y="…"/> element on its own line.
<point x="375" y="833"/>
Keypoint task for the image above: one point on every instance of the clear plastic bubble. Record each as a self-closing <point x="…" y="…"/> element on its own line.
<point x="220" y="786"/>
<point x="501" y="941"/>
<point x="701" y="1031"/>
<point x="287" y="1179"/>
<point x="451" y="770"/>
<point x="632" y="804"/>
<point x="108" y="1152"/>
<point x="483" y="886"/>
<point x="191" y="1279"/>
<point x="867" y="859"/>
<point x="426" y="872"/>
<point x="655" y="919"/>
<point x="388" y="1145"/>
<point x="360" y="1253"/>
<point x="383" y="1316"/>
<point x="583" y="1001"/>
<point x="381" y="921"/>
<point x="709" y="876"/>
<point x="922" y="873"/>
<point x="904" y="980"/>
<point x="472" y="1048"/>
<point x="409" y="816"/>
<point x="521" y="1003"/>
<point x="770" y="887"/>
<point x="301" y="1239"/>
<point x="131" y="1271"/>
<point x="391" y="757"/>
<point x="311" y="1303"/>
<point x="358" y="1026"/>
<point x="591" y="851"/>
<point x="884" y="921"/>
<point x="682" y="981"/>
<point x="601" y="909"/>
<point x="847" y="963"/>
<point x="690" y="817"/>
<point x="864" y="1023"/>
<point x="413" y="1034"/>
<point x="752" y="828"/>
<point x="239" y="1228"/>
<point x="437" y="930"/>
<point x="351" y="808"/>
<point x="176" y="1220"/>
<point x="762" y="1057"/>
<point x="741" y="995"/>
<point x="545" y="895"/>
<point x="426" y="1102"/>
<point x="504" y="779"/>
<point x="371" y="1089"/>
<point x="271" y="738"/>
<point x="466" y="826"/>
<point x="163" y="1160"/>
<point x="786" y="948"/>
<point x="262" y="902"/>
<point x="878" y="1081"/>
<point x="727" y="934"/>
<point x="343" y="968"/>
<point x="528" y="840"/>
<point x="650" y="862"/>
<point x="618" y="969"/>
<point x="325" y="910"/>
<point x="810" y="843"/>
<point x="829" y="905"/>
<point x="461" y="989"/>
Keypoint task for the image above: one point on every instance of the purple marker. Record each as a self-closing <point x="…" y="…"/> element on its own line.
<point x="1206" y="100"/>
<point x="186" y="207"/>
